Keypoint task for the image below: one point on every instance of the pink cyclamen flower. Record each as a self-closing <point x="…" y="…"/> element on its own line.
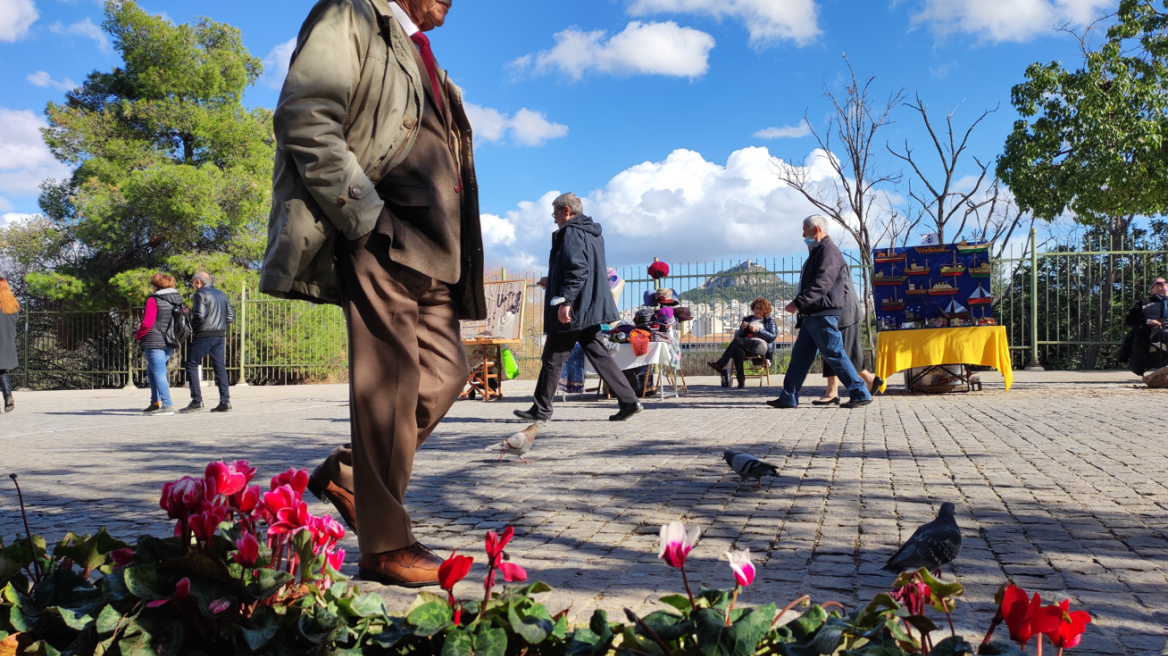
<point x="248" y="550"/>
<point x="224" y="479"/>
<point x="676" y="543"/>
<point x="248" y="499"/>
<point x="512" y="572"/>
<point x="335" y="559"/>
<point x="182" y="497"/>
<point x="743" y="568"/>
<point x="204" y="524"/>
<point x="122" y="557"/>
<point x="297" y="479"/>
<point x="219" y="605"/>
<point x="182" y="590"/>
<point x="495" y="543"/>
<point x="290" y="519"/>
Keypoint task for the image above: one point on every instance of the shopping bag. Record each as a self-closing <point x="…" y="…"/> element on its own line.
<point x="510" y="366"/>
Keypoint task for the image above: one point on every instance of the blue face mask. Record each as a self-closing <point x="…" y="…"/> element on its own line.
<point x="810" y="241"/>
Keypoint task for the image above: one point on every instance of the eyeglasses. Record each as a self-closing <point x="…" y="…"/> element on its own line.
<point x="1159" y="283"/>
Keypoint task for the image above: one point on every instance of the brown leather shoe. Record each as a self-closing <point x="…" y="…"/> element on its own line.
<point x="412" y="567"/>
<point x="326" y="490"/>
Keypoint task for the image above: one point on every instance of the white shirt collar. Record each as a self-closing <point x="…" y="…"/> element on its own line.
<point x="404" y="19"/>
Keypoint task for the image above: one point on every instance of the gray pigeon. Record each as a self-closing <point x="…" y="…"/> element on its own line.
<point x="517" y="444"/>
<point x="748" y="467"/>
<point x="932" y="545"/>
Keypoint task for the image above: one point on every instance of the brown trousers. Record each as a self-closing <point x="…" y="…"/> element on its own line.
<point x="406" y="369"/>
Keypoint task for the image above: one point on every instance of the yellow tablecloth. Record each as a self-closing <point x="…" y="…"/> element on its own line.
<point x="897" y="350"/>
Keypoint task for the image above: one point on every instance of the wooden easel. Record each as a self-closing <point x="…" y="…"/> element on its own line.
<point x="488" y="370"/>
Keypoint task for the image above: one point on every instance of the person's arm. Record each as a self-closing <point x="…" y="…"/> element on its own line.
<point x="1135" y="318"/>
<point x="309" y="121"/>
<point x="230" y="311"/>
<point x="575" y="270"/>
<point x="198" y="309"/>
<point x="148" y="319"/>
<point x="769" y="330"/>
<point x="828" y="272"/>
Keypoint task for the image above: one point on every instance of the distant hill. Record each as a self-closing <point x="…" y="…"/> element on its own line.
<point x="745" y="282"/>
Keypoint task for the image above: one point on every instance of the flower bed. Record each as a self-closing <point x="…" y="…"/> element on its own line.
<point x="253" y="572"/>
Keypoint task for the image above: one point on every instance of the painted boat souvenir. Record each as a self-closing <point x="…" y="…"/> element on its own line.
<point x="980" y="297"/>
<point x="889" y="256"/>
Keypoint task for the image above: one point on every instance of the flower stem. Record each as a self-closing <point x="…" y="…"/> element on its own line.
<point x="952" y="631"/>
<point x="789" y="607"/>
<point x="693" y="604"/>
<point x="733" y="600"/>
<point x="649" y="631"/>
<point x="27" y="532"/>
<point x="1039" y="644"/>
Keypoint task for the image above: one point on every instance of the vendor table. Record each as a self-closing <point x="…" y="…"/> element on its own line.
<point x="898" y="350"/>
<point x="486" y="379"/>
<point x="657" y="358"/>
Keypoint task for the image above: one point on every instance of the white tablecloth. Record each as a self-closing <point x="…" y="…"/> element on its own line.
<point x="658" y="353"/>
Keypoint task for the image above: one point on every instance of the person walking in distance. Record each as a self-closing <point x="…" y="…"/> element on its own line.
<point x="151" y="337"/>
<point x="578" y="301"/>
<point x="211" y="313"/>
<point x="822" y="296"/>
<point x="375" y="208"/>
<point x="9" y="309"/>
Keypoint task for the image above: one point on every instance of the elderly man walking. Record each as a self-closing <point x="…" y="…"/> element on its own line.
<point x="211" y="314"/>
<point x="821" y="298"/>
<point x="578" y="301"/>
<point x="375" y="208"/>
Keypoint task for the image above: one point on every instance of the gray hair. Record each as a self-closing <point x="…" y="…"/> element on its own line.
<point x="817" y="220"/>
<point x="203" y="277"/>
<point x="570" y="201"/>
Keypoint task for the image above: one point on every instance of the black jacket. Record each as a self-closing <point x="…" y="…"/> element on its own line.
<point x="768" y="334"/>
<point x="1137" y="346"/>
<point x="577" y="273"/>
<point x="166" y="300"/>
<point x="821" y="286"/>
<point x="211" y="313"/>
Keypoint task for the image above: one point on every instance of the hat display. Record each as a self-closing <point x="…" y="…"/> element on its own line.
<point x="649" y="297"/>
<point x="658" y="270"/>
<point x="665" y="316"/>
<point x="643" y="317"/>
<point x="682" y="314"/>
<point x="666" y="296"/>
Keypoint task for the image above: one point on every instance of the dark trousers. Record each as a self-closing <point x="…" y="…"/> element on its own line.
<point x="738" y="350"/>
<point x="556" y="352"/>
<point x="216" y="347"/>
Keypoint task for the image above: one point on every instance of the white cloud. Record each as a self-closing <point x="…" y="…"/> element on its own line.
<point x="16" y="16"/>
<point x="10" y="218"/>
<point x="87" y="29"/>
<point x="25" y="160"/>
<point x="683" y="206"/>
<point x="276" y="64"/>
<point x="640" y="49"/>
<point x="526" y="128"/>
<point x="786" y="132"/>
<point x="43" y="79"/>
<point x="768" y="21"/>
<point x="1006" y="20"/>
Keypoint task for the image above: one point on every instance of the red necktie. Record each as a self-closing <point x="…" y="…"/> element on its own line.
<point x="428" y="58"/>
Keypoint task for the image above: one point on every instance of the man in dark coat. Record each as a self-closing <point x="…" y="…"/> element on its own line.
<point x="211" y="314"/>
<point x="821" y="298"/>
<point x="1145" y="346"/>
<point x="578" y="301"/>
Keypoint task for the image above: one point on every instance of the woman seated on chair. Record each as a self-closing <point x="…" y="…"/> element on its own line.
<point x="755" y="338"/>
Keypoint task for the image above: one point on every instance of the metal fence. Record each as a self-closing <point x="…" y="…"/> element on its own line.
<point x="1063" y="308"/>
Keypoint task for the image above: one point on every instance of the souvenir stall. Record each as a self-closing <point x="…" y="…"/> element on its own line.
<point x="934" y="314"/>
<point x="486" y="341"/>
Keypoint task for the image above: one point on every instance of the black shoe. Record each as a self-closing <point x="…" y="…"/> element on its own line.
<point x="835" y="400"/>
<point x="876" y="385"/>
<point x="778" y="403"/>
<point x="153" y="407"/>
<point x="528" y="415"/>
<point x="742" y="384"/>
<point x="715" y="366"/>
<point x="856" y="403"/>
<point x="195" y="406"/>
<point x="627" y="411"/>
<point x="222" y="407"/>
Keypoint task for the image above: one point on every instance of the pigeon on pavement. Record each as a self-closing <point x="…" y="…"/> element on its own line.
<point x="932" y="545"/>
<point x="517" y="444"/>
<point x="748" y="467"/>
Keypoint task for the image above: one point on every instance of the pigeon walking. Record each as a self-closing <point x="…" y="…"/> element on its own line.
<point x="932" y="545"/>
<point x="748" y="467"/>
<point x="517" y="444"/>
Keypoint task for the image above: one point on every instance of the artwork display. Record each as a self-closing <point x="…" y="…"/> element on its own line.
<point x="504" y="313"/>
<point x="935" y="286"/>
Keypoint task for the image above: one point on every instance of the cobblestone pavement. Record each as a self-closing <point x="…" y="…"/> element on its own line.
<point x="1059" y="484"/>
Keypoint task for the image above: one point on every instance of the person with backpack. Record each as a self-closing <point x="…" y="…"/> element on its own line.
<point x="211" y="314"/>
<point x="158" y="340"/>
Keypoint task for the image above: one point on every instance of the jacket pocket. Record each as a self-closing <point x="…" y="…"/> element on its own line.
<point x="403" y="195"/>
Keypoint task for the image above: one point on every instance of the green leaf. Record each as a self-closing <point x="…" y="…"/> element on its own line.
<point x="667" y="626"/>
<point x="953" y="646"/>
<point x="39" y="648"/>
<point x="598" y="622"/>
<point x="430" y="618"/>
<point x="89" y="552"/>
<point x="740" y="638"/>
<point x="108" y="620"/>
<point x="680" y="602"/>
<point x="490" y="641"/>
<point x="424" y="597"/>
<point x="152" y="634"/>
<point x="368" y="605"/>
<point x="64" y="587"/>
<point x="390" y="635"/>
<point x="715" y="598"/>
<point x="151" y="550"/>
<point x="999" y="649"/>
<point x="921" y="623"/>
<point x="531" y="628"/>
<point x="320" y="626"/>
<point x="22" y="615"/>
<point x="148" y="582"/>
<point x="267" y="583"/>
<point x="828" y="639"/>
<point x="458" y="642"/>
<point x="77" y="619"/>
<point x="802" y="627"/>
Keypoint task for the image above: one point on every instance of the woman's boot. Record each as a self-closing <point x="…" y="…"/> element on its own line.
<point x="6" y="388"/>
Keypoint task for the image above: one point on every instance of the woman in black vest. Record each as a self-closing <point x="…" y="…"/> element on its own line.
<point x="160" y="309"/>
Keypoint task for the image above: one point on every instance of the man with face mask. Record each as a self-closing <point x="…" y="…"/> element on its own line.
<point x="822" y="296"/>
<point x="375" y="209"/>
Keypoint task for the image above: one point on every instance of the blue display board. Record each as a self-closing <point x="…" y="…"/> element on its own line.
<point x="933" y="286"/>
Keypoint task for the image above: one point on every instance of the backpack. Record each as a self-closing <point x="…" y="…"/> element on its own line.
<point x="179" y="330"/>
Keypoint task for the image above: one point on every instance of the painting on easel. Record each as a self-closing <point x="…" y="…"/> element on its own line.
<point x="504" y="313"/>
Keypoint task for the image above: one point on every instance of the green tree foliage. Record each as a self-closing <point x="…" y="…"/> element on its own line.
<point x="171" y="171"/>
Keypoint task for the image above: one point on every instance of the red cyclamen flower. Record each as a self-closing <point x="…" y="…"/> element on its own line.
<point x="248" y="550"/>
<point x="335" y="559"/>
<point x="182" y="590"/>
<point x="122" y="557"/>
<point x="1071" y="626"/>
<point x="219" y="605"/>
<point x="226" y="479"/>
<point x="1025" y="617"/>
<point x="512" y="572"/>
<point x="297" y="479"/>
<point x="204" y="524"/>
<point x="676" y="543"/>
<point x="182" y="497"/>
<point x="495" y="543"/>
<point x="453" y="570"/>
<point x="248" y="499"/>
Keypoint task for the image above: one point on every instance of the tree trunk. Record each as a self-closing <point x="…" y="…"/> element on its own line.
<point x="1117" y="234"/>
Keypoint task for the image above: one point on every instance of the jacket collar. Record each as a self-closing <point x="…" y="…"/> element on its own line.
<point x="404" y="19"/>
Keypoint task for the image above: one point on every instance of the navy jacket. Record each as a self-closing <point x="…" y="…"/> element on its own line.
<point x="577" y="272"/>
<point x="821" y="286"/>
<point x="770" y="331"/>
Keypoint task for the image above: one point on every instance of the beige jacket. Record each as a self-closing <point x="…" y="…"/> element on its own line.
<point x="346" y="117"/>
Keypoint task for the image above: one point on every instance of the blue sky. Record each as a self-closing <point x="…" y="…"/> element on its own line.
<point x="664" y="115"/>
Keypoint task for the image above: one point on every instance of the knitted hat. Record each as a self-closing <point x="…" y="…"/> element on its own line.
<point x="643" y="317"/>
<point x="640" y="341"/>
<point x="665" y="316"/>
<point x="682" y="314"/>
<point x="658" y="270"/>
<point x="650" y="297"/>
<point x="666" y="296"/>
